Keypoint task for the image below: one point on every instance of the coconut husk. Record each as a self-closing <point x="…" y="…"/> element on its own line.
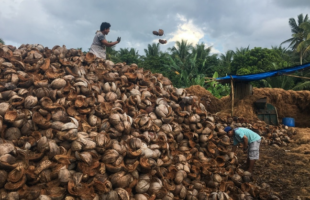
<point x="162" y="41"/>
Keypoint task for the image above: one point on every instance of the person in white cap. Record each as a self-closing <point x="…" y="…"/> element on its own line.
<point x="251" y="142"/>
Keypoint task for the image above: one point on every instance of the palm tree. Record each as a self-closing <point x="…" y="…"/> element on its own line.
<point x="152" y="50"/>
<point x="242" y="50"/>
<point x="299" y="35"/>
<point x="226" y="59"/>
<point x="202" y="51"/>
<point x="285" y="54"/>
<point x="128" y="55"/>
<point x="202" y="56"/>
<point x="181" y="50"/>
<point x="154" y="59"/>
<point x="1" y="41"/>
<point x="304" y="46"/>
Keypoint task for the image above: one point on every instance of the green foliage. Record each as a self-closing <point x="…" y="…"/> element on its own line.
<point x="218" y="90"/>
<point x="152" y="50"/>
<point x="283" y="82"/>
<point x="226" y="60"/>
<point x="185" y="71"/>
<point x="181" y="50"/>
<point x="298" y="41"/>
<point x="112" y="54"/>
<point x="255" y="61"/>
<point x="128" y="55"/>
<point x="1" y="41"/>
<point x="302" y="86"/>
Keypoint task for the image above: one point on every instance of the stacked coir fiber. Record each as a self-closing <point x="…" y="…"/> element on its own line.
<point x="289" y="103"/>
<point x="78" y="127"/>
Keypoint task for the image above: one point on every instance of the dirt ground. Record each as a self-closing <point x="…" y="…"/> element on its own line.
<point x="286" y="169"/>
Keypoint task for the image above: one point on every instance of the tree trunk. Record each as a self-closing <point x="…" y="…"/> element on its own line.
<point x="300" y="58"/>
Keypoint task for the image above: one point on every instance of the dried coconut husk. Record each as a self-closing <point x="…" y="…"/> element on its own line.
<point x="15" y="186"/>
<point x="160" y="32"/>
<point x="211" y="103"/>
<point x="162" y="41"/>
<point x="10" y="116"/>
<point x="46" y="64"/>
<point x="16" y="174"/>
<point x="89" y="57"/>
<point x="155" y="32"/>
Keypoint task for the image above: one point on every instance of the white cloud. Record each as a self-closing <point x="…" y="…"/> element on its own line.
<point x="191" y="32"/>
<point x="186" y="30"/>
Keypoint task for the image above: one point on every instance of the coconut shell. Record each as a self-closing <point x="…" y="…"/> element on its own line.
<point x="17" y="185"/>
<point x="4" y="108"/>
<point x="16" y="174"/>
<point x="3" y="178"/>
<point x="162" y="41"/>
<point x="155" y="32"/>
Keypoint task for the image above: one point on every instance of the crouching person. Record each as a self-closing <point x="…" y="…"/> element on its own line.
<point x="251" y="142"/>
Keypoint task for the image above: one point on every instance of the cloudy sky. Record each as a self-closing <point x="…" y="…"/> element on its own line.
<point x="223" y="24"/>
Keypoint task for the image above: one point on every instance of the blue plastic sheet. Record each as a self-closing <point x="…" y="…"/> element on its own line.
<point x="259" y="76"/>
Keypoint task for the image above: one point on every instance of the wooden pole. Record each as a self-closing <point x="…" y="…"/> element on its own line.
<point x="296" y="76"/>
<point x="232" y="95"/>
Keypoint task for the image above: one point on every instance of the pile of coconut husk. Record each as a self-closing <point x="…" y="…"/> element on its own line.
<point x="74" y="126"/>
<point x="211" y="103"/>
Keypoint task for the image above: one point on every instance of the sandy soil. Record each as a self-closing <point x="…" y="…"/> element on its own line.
<point x="286" y="169"/>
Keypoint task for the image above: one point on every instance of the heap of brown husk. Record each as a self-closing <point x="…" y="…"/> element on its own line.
<point x="289" y="103"/>
<point x="77" y="127"/>
<point x="211" y="103"/>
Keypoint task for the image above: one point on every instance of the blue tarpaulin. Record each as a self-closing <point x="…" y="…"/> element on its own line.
<point x="259" y="76"/>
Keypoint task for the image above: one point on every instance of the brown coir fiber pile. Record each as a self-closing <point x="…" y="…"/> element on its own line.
<point x="289" y="103"/>
<point x="213" y="106"/>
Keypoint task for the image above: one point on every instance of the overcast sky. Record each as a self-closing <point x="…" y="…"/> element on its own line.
<point x="223" y="24"/>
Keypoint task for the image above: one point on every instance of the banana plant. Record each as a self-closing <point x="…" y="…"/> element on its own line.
<point x="218" y="90"/>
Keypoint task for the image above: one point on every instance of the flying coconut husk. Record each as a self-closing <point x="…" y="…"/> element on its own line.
<point x="155" y="33"/>
<point x="160" y="32"/>
<point x="74" y="126"/>
<point x="162" y="41"/>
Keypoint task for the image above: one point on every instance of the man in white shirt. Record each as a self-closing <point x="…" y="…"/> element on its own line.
<point x="100" y="43"/>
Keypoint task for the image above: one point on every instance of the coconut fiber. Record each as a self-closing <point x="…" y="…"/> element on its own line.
<point x="289" y="103"/>
<point x="211" y="103"/>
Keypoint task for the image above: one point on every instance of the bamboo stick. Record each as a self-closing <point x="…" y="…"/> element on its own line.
<point x="209" y="78"/>
<point x="232" y="96"/>
<point x="296" y="76"/>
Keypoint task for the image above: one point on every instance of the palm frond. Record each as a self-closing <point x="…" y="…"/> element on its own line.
<point x="301" y="86"/>
<point x="265" y="83"/>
